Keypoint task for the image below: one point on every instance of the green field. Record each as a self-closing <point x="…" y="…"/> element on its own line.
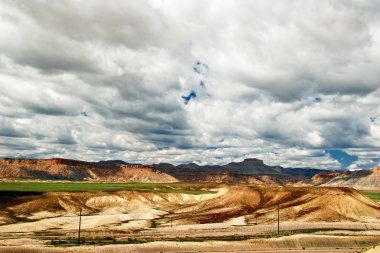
<point x="375" y="196"/>
<point x="85" y="187"/>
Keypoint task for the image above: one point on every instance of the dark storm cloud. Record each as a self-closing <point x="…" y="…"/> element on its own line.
<point x="46" y="109"/>
<point x="16" y="144"/>
<point x="8" y="130"/>
<point x="345" y="133"/>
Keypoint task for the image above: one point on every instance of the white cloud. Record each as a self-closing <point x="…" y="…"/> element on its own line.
<point x="286" y="80"/>
<point x="353" y="167"/>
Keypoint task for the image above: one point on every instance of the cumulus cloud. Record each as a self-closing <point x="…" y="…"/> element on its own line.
<point x="282" y="81"/>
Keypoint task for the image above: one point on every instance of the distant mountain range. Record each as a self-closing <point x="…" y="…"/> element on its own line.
<point x="113" y="162"/>
<point x="253" y="170"/>
<point x="250" y="170"/>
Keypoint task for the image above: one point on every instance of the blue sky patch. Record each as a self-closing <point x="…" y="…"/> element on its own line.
<point x="186" y="99"/>
<point x="200" y="68"/>
<point x="84" y="114"/>
<point x="342" y="157"/>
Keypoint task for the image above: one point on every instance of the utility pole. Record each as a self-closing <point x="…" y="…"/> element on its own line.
<point x="278" y="217"/>
<point x="80" y="221"/>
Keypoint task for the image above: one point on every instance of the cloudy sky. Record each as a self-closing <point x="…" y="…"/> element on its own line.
<point x="295" y="83"/>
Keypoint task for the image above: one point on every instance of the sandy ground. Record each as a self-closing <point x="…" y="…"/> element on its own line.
<point x="219" y="231"/>
<point x="374" y="249"/>
<point x="351" y="236"/>
<point x="301" y="243"/>
<point x="299" y="251"/>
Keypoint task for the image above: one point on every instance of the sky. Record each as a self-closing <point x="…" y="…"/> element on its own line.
<point x="295" y="83"/>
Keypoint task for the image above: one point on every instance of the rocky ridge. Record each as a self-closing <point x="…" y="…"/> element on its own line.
<point x="66" y="169"/>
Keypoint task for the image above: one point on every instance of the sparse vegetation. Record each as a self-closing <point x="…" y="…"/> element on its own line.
<point x="99" y="241"/>
<point x="375" y="196"/>
<point x="131" y="240"/>
<point x="185" y="188"/>
<point x="153" y="224"/>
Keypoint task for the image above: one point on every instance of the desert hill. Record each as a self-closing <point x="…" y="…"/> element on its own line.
<point x="226" y="203"/>
<point x="324" y="177"/>
<point x="64" y="169"/>
<point x="360" y="179"/>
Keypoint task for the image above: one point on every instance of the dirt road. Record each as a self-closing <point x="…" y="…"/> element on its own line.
<point x="299" y="243"/>
<point x="296" y="251"/>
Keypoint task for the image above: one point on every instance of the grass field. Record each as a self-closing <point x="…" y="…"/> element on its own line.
<point x="81" y="186"/>
<point x="375" y="196"/>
